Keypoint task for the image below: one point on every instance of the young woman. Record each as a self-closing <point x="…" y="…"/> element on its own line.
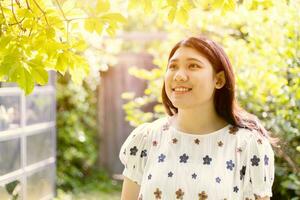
<point x="207" y="147"/>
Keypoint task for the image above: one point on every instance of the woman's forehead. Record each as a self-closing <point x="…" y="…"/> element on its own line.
<point x="188" y="53"/>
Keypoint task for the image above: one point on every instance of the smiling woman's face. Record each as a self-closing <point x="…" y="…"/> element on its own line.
<point x="192" y="70"/>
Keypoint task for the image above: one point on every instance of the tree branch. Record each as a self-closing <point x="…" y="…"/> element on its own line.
<point x="27" y="4"/>
<point x="2" y="11"/>
<point x="12" y="24"/>
<point x="44" y="13"/>
<point x="61" y="10"/>
<point x="15" y="17"/>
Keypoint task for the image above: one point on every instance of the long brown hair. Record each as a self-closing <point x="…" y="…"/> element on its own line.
<point x="225" y="102"/>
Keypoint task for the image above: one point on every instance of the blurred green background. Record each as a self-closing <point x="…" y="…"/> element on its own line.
<point x="81" y="39"/>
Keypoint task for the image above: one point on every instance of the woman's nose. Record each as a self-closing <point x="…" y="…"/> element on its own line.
<point x="180" y="76"/>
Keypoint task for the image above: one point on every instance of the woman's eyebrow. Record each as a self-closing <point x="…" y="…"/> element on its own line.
<point x="193" y="59"/>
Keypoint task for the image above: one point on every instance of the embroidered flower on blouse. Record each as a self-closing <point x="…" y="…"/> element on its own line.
<point x="230" y="164"/>
<point x="242" y="172"/>
<point x="220" y="143"/>
<point x="218" y="180"/>
<point x="184" y="158"/>
<point x="144" y="153"/>
<point x="235" y="189"/>
<point x="154" y="143"/>
<point x="149" y="176"/>
<point x="179" y="194"/>
<point x="197" y="141"/>
<point x="207" y="160"/>
<point x="157" y="193"/>
<point x="233" y="130"/>
<point x="165" y="127"/>
<point x="194" y="176"/>
<point x="170" y="174"/>
<point x="239" y="150"/>
<point x="202" y="195"/>
<point x="255" y="160"/>
<point x="259" y="141"/>
<point x="174" y="140"/>
<point x="266" y="159"/>
<point x="133" y="150"/>
<point x="161" y="158"/>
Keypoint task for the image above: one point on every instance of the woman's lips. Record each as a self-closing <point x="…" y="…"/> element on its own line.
<point x="181" y="92"/>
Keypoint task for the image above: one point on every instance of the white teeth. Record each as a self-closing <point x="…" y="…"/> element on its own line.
<point x="182" y="89"/>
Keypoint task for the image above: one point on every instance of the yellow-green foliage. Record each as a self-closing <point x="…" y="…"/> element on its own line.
<point x="39" y="35"/>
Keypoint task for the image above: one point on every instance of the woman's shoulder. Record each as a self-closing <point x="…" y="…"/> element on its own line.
<point x="161" y="123"/>
<point x="248" y="135"/>
<point x="148" y="129"/>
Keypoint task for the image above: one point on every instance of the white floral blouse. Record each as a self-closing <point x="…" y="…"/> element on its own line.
<point x="230" y="163"/>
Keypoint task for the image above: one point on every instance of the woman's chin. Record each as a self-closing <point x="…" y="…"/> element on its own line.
<point x="181" y="105"/>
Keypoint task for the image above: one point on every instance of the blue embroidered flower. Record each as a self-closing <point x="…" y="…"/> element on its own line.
<point x="255" y="160"/>
<point x="144" y="153"/>
<point x="161" y="158"/>
<point x="230" y="164"/>
<point x="207" y="160"/>
<point x="218" y="180"/>
<point x="149" y="176"/>
<point x="194" y="176"/>
<point x="242" y="172"/>
<point x="133" y="150"/>
<point x="266" y="159"/>
<point x="170" y="174"/>
<point x="236" y="189"/>
<point x="183" y="158"/>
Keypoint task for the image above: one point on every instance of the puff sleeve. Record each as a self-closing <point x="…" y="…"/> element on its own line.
<point x="134" y="153"/>
<point x="260" y="169"/>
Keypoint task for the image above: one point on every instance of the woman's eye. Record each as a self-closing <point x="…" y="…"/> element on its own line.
<point x="171" y="66"/>
<point x="194" y="66"/>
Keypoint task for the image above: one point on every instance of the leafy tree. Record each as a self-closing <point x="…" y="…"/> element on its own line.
<point x="37" y="36"/>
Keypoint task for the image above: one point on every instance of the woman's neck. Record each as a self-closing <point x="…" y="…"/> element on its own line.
<point x="200" y="123"/>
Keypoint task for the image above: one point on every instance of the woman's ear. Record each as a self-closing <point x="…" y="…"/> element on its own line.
<point x="220" y="80"/>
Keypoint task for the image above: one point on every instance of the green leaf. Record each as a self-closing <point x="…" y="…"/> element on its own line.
<point x="23" y="12"/>
<point x="80" y="70"/>
<point x="102" y="6"/>
<point x="99" y="28"/>
<point x="111" y="31"/>
<point x="50" y="32"/>
<point x="40" y="75"/>
<point x="117" y="17"/>
<point x="4" y="40"/>
<point x="80" y="44"/>
<point x="182" y="16"/>
<point x="68" y="5"/>
<point x="172" y="14"/>
<point x="62" y="63"/>
<point x="225" y="5"/>
<point x="172" y="3"/>
<point x="90" y="25"/>
<point x="22" y="77"/>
